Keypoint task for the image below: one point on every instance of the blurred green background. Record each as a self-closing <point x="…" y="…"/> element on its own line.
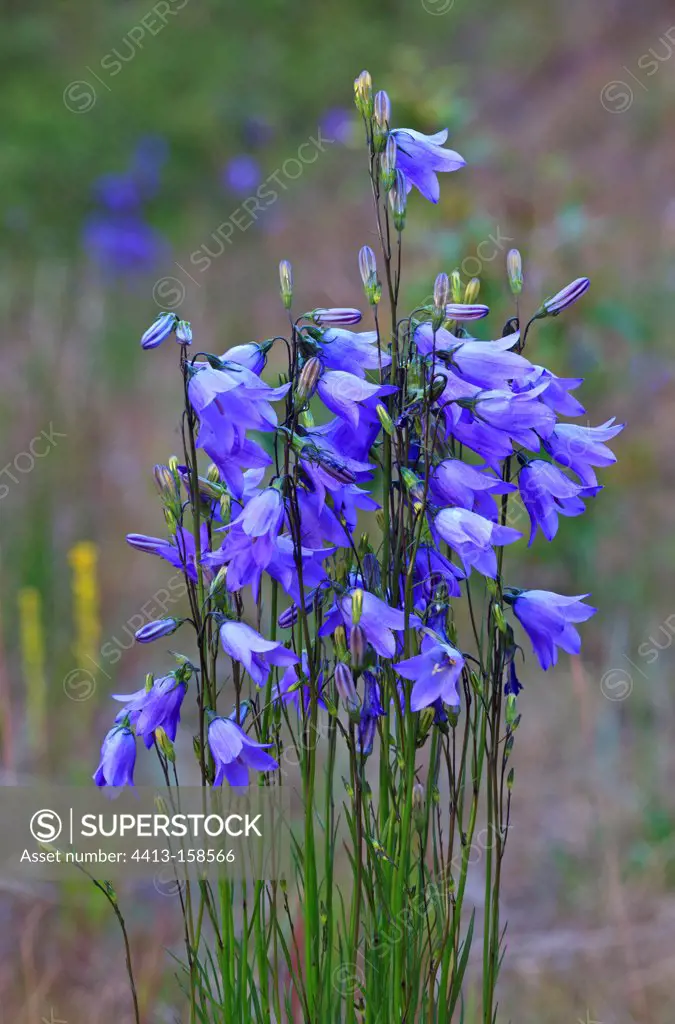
<point x="132" y="137"/>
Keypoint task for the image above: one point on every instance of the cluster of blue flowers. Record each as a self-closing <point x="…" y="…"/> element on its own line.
<point x="117" y="235"/>
<point x="469" y="426"/>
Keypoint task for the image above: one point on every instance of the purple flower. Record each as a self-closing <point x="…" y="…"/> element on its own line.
<point x="547" y="493"/>
<point x="156" y="630"/>
<point x="435" y="671"/>
<point x="122" y="243"/>
<point x="521" y="416"/>
<point x="431" y="569"/>
<point x="257" y="655"/>
<point x="378" y="621"/>
<point x="486" y="364"/>
<point x="472" y="537"/>
<point x="454" y="482"/>
<point x="566" y="297"/>
<point x="581" y="448"/>
<point x="163" y="326"/>
<point x="420" y="156"/>
<point x="556" y="394"/>
<point x="344" y="684"/>
<point x="150" y="709"/>
<point x="339" y="315"/>
<point x="118" y="758"/>
<point x="179" y="552"/>
<point x="351" y="351"/>
<point x="547" y="619"/>
<point x="294" y="689"/>
<point x="234" y="752"/>
<point x="251" y="355"/>
<point x="242" y="174"/>
<point x="344" y="394"/>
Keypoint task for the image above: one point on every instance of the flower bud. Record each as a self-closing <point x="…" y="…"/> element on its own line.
<point x="286" y="283"/>
<point x="149" y="682"/>
<point x="514" y="271"/>
<point x="466" y="312"/>
<point x="388" y="164"/>
<point x="344" y="684"/>
<point x="381" y="119"/>
<point x="471" y="291"/>
<point x="357" y="605"/>
<point x="305" y="419"/>
<point x="213" y="473"/>
<point x="184" y="332"/>
<point x="288" y="617"/>
<point x="159" y="330"/>
<point x="565" y="298"/>
<point x="225" y="505"/>
<point x="357" y="645"/>
<point x="398" y="200"/>
<point x="368" y="271"/>
<point x="157" y="629"/>
<point x="339" y="315"/>
<point x="441" y="296"/>
<point x="340" y="641"/>
<point x="456" y="286"/>
<point x="363" y="94"/>
<point x="419" y="806"/>
<point x="165" y="480"/>
<point x="309" y="378"/>
<point x="164" y="744"/>
<point x="385" y="419"/>
<point x="173" y="463"/>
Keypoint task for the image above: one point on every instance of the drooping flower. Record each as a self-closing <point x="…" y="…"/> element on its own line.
<point x="345" y="394"/>
<point x="338" y="315"/>
<point x="149" y="709"/>
<point x="234" y="753"/>
<point x="421" y="156"/>
<point x="378" y="621"/>
<point x="473" y="538"/>
<point x="548" y="619"/>
<point x="453" y="482"/>
<point x="435" y="672"/>
<point x="179" y="552"/>
<point x="351" y="351"/>
<point x="118" y="758"/>
<point x="256" y="654"/>
<point x="548" y="493"/>
<point x="582" y="448"/>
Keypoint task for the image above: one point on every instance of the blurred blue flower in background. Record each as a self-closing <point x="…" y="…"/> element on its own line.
<point x="242" y="174"/>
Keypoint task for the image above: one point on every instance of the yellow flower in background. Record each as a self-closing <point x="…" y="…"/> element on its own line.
<point x="83" y="558"/>
<point x="31" y="638"/>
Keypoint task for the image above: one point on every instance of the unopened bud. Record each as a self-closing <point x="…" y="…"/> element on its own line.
<point x="441" y="296"/>
<point x="309" y="378"/>
<point x="286" y="283"/>
<point x="419" y="805"/>
<point x="357" y="646"/>
<point x="218" y="581"/>
<point x="341" y="316"/>
<point x="500" y="621"/>
<point x="225" y="505"/>
<point x="173" y="463"/>
<point x="472" y="291"/>
<point x="363" y="94"/>
<point x="305" y="419"/>
<point x="385" y="419"/>
<point x="340" y="641"/>
<point x="388" y="164"/>
<point x="398" y="200"/>
<point x="410" y="479"/>
<point x="514" y="271"/>
<point x="344" y="684"/>
<point x="456" y="286"/>
<point x="510" y="779"/>
<point x="184" y="332"/>
<point x="381" y="119"/>
<point x="357" y="605"/>
<point x="213" y="473"/>
<point x="165" y="480"/>
<point x="565" y="298"/>
<point x="149" y="682"/>
<point x="164" y="744"/>
<point x="368" y="272"/>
